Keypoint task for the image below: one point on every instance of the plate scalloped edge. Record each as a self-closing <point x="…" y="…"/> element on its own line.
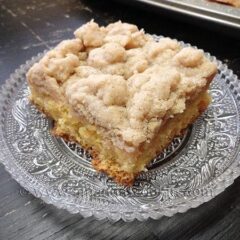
<point x="222" y="182"/>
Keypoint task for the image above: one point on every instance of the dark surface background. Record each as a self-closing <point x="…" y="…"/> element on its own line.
<point x="29" y="27"/>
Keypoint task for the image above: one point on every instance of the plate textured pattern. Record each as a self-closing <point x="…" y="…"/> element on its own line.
<point x="192" y="170"/>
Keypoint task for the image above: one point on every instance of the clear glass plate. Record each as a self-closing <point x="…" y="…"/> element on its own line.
<point x="191" y="171"/>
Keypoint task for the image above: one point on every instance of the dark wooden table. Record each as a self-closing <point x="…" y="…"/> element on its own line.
<point x="29" y="27"/>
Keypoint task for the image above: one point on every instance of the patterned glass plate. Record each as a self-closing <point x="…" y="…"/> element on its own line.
<point x="191" y="171"/>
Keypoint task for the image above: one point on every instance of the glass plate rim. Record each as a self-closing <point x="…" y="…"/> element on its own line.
<point x="222" y="182"/>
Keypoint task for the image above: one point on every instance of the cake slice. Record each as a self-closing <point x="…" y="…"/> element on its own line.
<point x="120" y="94"/>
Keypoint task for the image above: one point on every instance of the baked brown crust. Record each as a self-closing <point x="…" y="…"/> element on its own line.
<point x="235" y="3"/>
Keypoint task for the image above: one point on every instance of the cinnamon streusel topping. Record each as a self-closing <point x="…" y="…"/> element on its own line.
<point x="122" y="80"/>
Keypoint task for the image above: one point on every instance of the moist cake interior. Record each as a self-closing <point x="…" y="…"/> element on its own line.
<point x="118" y="164"/>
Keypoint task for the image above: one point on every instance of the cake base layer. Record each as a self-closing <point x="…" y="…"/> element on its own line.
<point x="120" y="165"/>
<point x="172" y="128"/>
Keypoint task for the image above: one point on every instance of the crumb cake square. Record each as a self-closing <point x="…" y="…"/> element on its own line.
<point x="120" y="94"/>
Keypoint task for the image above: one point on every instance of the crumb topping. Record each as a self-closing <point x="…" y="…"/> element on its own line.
<point x="120" y="79"/>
